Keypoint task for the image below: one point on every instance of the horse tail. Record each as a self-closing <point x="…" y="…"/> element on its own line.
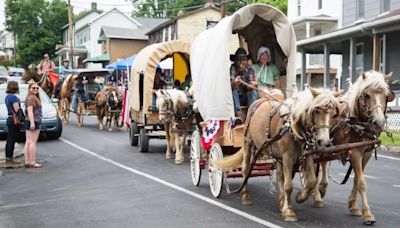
<point x="231" y="162"/>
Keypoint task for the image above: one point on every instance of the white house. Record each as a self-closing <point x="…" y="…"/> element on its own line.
<point x="86" y="32"/>
<point x="312" y="18"/>
<point x="6" y="45"/>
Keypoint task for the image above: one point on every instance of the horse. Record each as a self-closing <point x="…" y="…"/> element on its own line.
<point x="176" y="112"/>
<point x="281" y="130"/>
<point x="366" y="103"/>
<point x="108" y="104"/>
<point x="42" y="79"/>
<point x="65" y="95"/>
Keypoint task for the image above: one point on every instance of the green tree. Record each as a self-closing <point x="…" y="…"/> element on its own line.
<point x="171" y="8"/>
<point x="36" y="24"/>
<point x="279" y="4"/>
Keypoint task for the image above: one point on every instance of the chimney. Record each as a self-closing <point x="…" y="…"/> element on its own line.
<point x="94" y="6"/>
<point x="208" y="3"/>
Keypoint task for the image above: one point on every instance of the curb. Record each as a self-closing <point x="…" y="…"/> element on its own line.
<point x="18" y="153"/>
<point x="391" y="149"/>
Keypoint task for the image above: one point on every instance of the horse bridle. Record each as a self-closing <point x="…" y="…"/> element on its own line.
<point x="367" y="110"/>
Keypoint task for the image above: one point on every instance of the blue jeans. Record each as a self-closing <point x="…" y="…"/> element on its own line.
<point x="75" y="100"/>
<point x="237" y="100"/>
<point x="11" y="138"/>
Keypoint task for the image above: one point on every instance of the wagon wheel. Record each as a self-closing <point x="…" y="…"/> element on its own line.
<point x="143" y="141"/>
<point x="133" y="131"/>
<point x="64" y="110"/>
<point x="79" y="113"/>
<point x="195" y="156"/>
<point x="215" y="176"/>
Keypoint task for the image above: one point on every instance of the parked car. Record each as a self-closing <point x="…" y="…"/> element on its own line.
<point x="51" y="123"/>
<point x="3" y="74"/>
<point x="11" y="74"/>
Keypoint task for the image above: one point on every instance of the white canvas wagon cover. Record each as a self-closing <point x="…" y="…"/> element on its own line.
<point x="146" y="63"/>
<point x="259" y="24"/>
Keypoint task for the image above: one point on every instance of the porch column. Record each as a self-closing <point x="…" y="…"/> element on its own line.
<point x="327" y="77"/>
<point x="303" y="78"/>
<point x="308" y="30"/>
<point x="352" y="59"/>
<point x="376" y="50"/>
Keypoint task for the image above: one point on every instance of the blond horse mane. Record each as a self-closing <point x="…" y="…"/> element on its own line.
<point x="67" y="85"/>
<point x="372" y="79"/>
<point x="304" y="103"/>
<point x="176" y="97"/>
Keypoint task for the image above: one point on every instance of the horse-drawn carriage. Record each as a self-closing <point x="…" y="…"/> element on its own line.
<point x="85" y="83"/>
<point x="289" y="136"/>
<point x="145" y="119"/>
<point x="256" y="25"/>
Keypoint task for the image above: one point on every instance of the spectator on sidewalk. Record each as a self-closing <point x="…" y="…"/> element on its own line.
<point x="13" y="105"/>
<point x="33" y="122"/>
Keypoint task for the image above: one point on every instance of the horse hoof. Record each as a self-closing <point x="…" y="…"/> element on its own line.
<point x="355" y="212"/>
<point x="289" y="216"/>
<point x="369" y="221"/>
<point x="318" y="204"/>
<point x="178" y="162"/>
<point x="168" y="156"/>
<point x="300" y="198"/>
<point x="246" y="202"/>
<point x="109" y="129"/>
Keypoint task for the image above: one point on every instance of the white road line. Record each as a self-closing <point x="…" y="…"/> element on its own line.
<point x="173" y="186"/>
<point x="389" y="157"/>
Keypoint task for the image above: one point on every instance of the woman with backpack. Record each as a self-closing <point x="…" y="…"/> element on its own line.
<point x="13" y="105"/>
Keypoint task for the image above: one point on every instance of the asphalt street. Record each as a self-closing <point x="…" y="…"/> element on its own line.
<point x="94" y="178"/>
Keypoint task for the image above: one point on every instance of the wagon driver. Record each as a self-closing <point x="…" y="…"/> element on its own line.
<point x="242" y="94"/>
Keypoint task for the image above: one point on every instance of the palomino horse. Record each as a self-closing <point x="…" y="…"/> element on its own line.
<point x="66" y="96"/>
<point x="42" y="79"/>
<point x="282" y="130"/>
<point x="176" y="112"/>
<point x="109" y="105"/>
<point x="367" y="99"/>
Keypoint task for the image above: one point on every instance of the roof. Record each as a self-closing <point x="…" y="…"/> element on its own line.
<point x="150" y="23"/>
<point x="82" y="15"/>
<point x="173" y="20"/>
<point x="318" y="18"/>
<point x="123" y="33"/>
<point x="355" y="30"/>
<point x="98" y="59"/>
<point x="115" y="10"/>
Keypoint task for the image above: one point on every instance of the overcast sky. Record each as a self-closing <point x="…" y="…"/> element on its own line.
<point x="80" y="5"/>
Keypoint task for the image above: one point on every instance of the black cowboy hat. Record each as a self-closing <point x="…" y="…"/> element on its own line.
<point x="240" y="53"/>
<point x="65" y="60"/>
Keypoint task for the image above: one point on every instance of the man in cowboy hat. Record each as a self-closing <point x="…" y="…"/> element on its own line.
<point x="241" y="71"/>
<point x="64" y="68"/>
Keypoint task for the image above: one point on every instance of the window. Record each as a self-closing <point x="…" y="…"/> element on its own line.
<point x="319" y="4"/>
<point x="385" y="6"/>
<point x="165" y="34"/>
<point x="360" y="9"/>
<point x="382" y="54"/>
<point x="359" y="58"/>
<point x="298" y="7"/>
<point x="173" y="37"/>
<point x="316" y="59"/>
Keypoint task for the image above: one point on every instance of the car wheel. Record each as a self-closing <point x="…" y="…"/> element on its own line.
<point x="57" y="134"/>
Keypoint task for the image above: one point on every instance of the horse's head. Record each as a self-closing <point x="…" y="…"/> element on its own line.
<point x="312" y="114"/>
<point x="114" y="100"/>
<point x="164" y="104"/>
<point x="368" y="97"/>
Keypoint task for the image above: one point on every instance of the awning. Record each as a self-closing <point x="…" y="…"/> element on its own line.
<point x="122" y="64"/>
<point x="102" y="38"/>
<point x="98" y="59"/>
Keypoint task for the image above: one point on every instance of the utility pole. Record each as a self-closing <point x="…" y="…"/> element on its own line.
<point x="223" y="8"/>
<point x="15" y="50"/>
<point x="71" y="45"/>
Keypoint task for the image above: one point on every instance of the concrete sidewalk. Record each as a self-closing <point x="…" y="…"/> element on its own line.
<point x="18" y="153"/>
